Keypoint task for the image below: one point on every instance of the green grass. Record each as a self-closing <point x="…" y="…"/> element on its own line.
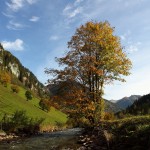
<point x="130" y="133"/>
<point x="10" y="102"/>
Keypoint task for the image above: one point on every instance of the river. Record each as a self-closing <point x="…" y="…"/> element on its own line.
<point x="60" y="140"/>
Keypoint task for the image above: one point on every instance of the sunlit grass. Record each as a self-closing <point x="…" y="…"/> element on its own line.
<point x="10" y="102"/>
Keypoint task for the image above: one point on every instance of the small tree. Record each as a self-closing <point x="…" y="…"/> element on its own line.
<point x="45" y="104"/>
<point x="5" y="78"/>
<point x="109" y="116"/>
<point x="15" y="88"/>
<point x="28" y="95"/>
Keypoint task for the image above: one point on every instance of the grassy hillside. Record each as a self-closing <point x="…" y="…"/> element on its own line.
<point x="10" y="102"/>
<point x="131" y="133"/>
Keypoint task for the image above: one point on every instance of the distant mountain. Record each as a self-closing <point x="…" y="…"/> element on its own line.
<point x="113" y="101"/>
<point x="10" y="63"/>
<point x="111" y="107"/>
<point x="140" y="107"/>
<point x="126" y="101"/>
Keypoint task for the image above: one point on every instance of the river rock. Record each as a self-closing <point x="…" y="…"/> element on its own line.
<point x="2" y="134"/>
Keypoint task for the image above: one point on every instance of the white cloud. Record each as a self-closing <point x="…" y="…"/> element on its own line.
<point x="77" y="2"/>
<point x="123" y="37"/>
<point x="15" y="5"/>
<point x="17" y="45"/>
<point x="126" y="36"/>
<point x="34" y="19"/>
<point x="128" y="41"/>
<point x="54" y="37"/>
<point x="68" y="7"/>
<point x="15" y="25"/>
<point x="8" y="15"/>
<point x="133" y="47"/>
<point x="75" y="12"/>
<point x="31" y="1"/>
<point x="71" y="10"/>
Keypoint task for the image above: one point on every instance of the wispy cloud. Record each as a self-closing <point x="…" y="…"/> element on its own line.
<point x="78" y="2"/>
<point x="15" y="5"/>
<point x="8" y="15"/>
<point x="15" y="25"/>
<point x="54" y="37"/>
<point x="72" y="10"/>
<point x="130" y="45"/>
<point x="133" y="47"/>
<point x="126" y="36"/>
<point x="75" y="12"/>
<point x="31" y="1"/>
<point x="16" y="45"/>
<point x="11" y="12"/>
<point x="34" y="19"/>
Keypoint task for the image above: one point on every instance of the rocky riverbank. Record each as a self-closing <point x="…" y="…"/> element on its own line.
<point x="95" y="139"/>
<point x="8" y="138"/>
<point x="58" y="140"/>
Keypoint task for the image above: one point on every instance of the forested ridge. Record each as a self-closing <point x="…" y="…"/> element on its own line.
<point x="11" y="64"/>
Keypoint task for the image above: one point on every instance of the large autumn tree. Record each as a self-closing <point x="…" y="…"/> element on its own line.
<point x="95" y="58"/>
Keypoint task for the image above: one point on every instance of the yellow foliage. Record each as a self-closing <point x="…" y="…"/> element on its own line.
<point x="5" y="78"/>
<point x="96" y="58"/>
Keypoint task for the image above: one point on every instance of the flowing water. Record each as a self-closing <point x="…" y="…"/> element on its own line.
<point x="60" y="140"/>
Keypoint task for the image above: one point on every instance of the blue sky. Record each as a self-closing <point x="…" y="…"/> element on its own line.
<point x="37" y="31"/>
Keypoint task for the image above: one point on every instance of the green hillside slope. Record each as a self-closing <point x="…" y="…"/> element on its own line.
<point x="10" y="102"/>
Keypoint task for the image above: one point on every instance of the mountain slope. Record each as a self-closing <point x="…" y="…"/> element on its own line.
<point x="111" y="107"/>
<point x="126" y="101"/>
<point x="140" y="107"/>
<point x="10" y="63"/>
<point x="10" y="102"/>
<point x="26" y="80"/>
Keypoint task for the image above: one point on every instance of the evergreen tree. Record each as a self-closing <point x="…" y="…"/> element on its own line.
<point x="28" y="95"/>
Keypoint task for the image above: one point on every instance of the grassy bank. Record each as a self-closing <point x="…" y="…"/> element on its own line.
<point x="123" y="134"/>
<point x="10" y="102"/>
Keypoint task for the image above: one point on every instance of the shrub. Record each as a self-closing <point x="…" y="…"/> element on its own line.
<point x="19" y="122"/>
<point x="109" y="116"/>
<point x="82" y="122"/>
<point x="45" y="104"/>
<point x="28" y="95"/>
<point x="15" y="88"/>
<point x="5" y="78"/>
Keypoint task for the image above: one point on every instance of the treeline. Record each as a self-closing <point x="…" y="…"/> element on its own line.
<point x="139" y="107"/>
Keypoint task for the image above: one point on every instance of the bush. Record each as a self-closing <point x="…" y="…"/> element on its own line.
<point x="15" y="88"/>
<point x="5" y="78"/>
<point x="45" y="104"/>
<point x="28" y="95"/>
<point x="109" y="116"/>
<point x="19" y="122"/>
